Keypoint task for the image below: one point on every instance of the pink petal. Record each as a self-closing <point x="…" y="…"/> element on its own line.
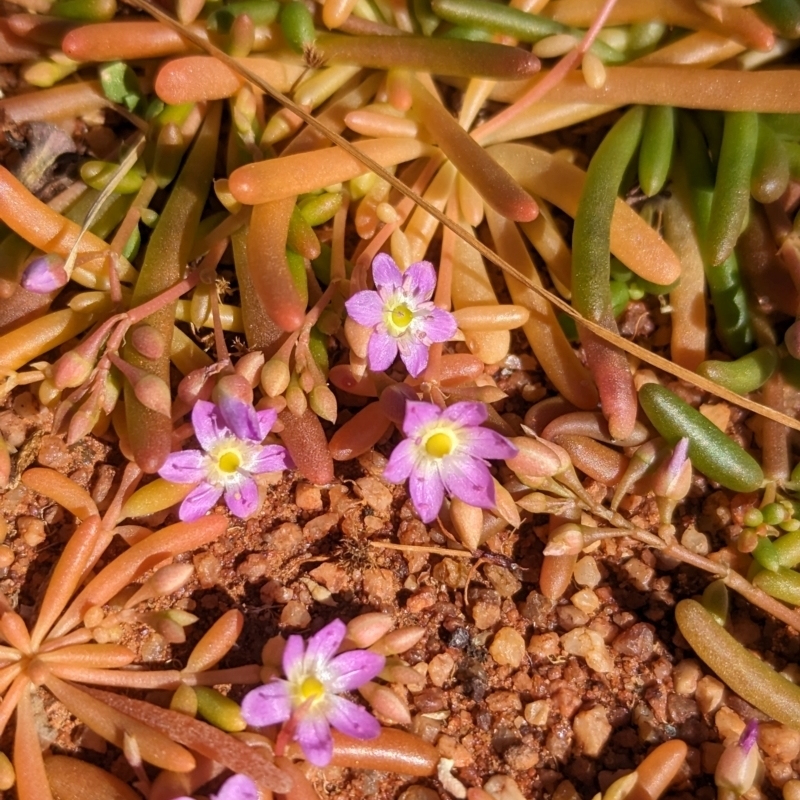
<point x="267" y="705"/>
<point x="385" y="272"/>
<point x="366" y="308"/>
<point x="209" y="426"/>
<point x="352" y="720"/>
<point x="266" y="421"/>
<point x="438" y="325"/>
<point x="242" y="498"/>
<point x="401" y="462"/>
<point x="199" y="501"/>
<point x="314" y="736"/>
<point x="270" y="458"/>
<point x="186" y="466"/>
<point x="353" y="669"/>
<point x="466" y="413"/>
<point x="469" y="480"/>
<point x="420" y="279"/>
<point x="414" y="355"/>
<point x="427" y="491"/>
<point x="486" y="443"/>
<point x="241" y="419"/>
<point x="237" y="787"/>
<point x="322" y="646"/>
<point x="419" y="414"/>
<point x="293" y="652"/>
<point x="381" y="351"/>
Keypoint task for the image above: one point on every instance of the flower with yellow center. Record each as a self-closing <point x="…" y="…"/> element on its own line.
<point x="401" y="315"/>
<point x="308" y="700"/>
<point x="445" y="452"/>
<point x="230" y="434"/>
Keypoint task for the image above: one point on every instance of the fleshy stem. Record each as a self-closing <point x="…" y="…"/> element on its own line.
<point x="552" y="79"/>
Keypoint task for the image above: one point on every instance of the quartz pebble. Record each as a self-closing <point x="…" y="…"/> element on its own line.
<point x="441" y="669"/>
<point x="779" y="741"/>
<point x="486" y="609"/>
<point x="685" y="676"/>
<point x="709" y="694"/>
<point x="521" y="757"/>
<point x="592" y="729"/>
<point x="537" y="712"/>
<point x="590" y="645"/>
<point x="503" y="787"/>
<point x="295" y="615"/>
<point x="586" y="572"/>
<point x="508" y="647"/>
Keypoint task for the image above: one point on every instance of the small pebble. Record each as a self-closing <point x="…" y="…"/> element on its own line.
<point x="791" y="790"/>
<point x="207" y="568"/>
<point x="591" y="729"/>
<point x="590" y="645"/>
<point x="308" y="497"/>
<point x="545" y="645"/>
<point x="521" y="757"/>
<point x="537" y="712"/>
<point x="507" y="647"/>
<point x="441" y="669"/>
<point x="486" y="609"/>
<point x="503" y="787"/>
<point x="638" y="641"/>
<point x="503" y="702"/>
<point x="417" y="792"/>
<point x="779" y="741"/>
<point x="685" y="676"/>
<point x="295" y="615"/>
<point x="709" y="694"/>
<point x="375" y="493"/>
<point x="32" y="530"/>
<point x="6" y="556"/>
<point x="585" y="600"/>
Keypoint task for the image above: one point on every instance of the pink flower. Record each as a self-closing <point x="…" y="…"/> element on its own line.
<point x="230" y="434"/>
<point x="309" y="697"/>
<point x="237" y="787"/>
<point x="401" y="315"/>
<point x="445" y="452"/>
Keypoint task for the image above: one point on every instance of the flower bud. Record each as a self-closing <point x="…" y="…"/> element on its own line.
<point x="71" y="370"/>
<point x="7" y="774"/>
<point x="357" y="336"/>
<point x="673" y="478"/>
<point x="219" y="710"/>
<point x="154" y="394"/>
<point x="148" y="341"/>
<point x="322" y="402"/>
<point x="164" y="581"/>
<point x="249" y="366"/>
<point x="566" y="540"/>
<point x="538" y="458"/>
<point x="83" y="421"/>
<point x="398" y="641"/>
<point x="386" y="703"/>
<point x="275" y="377"/>
<point x="296" y="400"/>
<point x="364" y="630"/>
<point x="738" y="766"/>
<point x="184" y="700"/>
<point x="44" y="274"/>
<point x="197" y="385"/>
<point x="468" y="523"/>
<point x="233" y="386"/>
